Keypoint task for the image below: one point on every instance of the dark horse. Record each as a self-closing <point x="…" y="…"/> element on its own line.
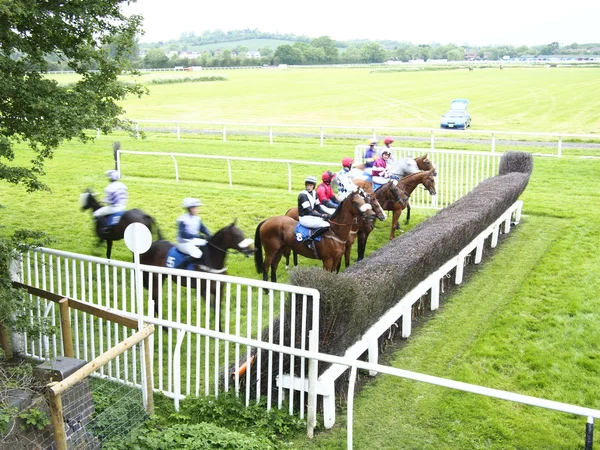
<point x="277" y="234"/>
<point x="363" y="227"/>
<point x="214" y="254"/>
<point x="115" y="233"/>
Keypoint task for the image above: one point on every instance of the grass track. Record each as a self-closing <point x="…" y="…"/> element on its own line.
<point x="526" y="322"/>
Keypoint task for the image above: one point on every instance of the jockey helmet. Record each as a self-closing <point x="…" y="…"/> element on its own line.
<point x="373" y="141"/>
<point x="386" y="152"/>
<point x="327" y="176"/>
<point x="190" y="202"/>
<point x="347" y="162"/>
<point x="310" y="180"/>
<point x="113" y="175"/>
<point x="388" y="140"/>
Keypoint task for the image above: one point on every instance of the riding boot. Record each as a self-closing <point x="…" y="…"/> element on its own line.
<point x="318" y="232"/>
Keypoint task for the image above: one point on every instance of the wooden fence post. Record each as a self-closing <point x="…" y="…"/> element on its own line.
<point x="65" y="325"/>
<point x="56" y="417"/>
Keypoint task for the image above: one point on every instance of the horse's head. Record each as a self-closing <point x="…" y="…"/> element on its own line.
<point x="359" y="205"/>
<point x="428" y="181"/>
<point x="377" y="208"/>
<point x="231" y="237"/>
<point x="87" y="200"/>
<point x="424" y="163"/>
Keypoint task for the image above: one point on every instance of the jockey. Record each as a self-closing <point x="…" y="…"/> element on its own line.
<point x="388" y="141"/>
<point x="381" y="173"/>
<point x="371" y="154"/>
<point x="308" y="210"/>
<point x="329" y="202"/>
<point x="191" y="230"/>
<point x="115" y="194"/>
<point x="344" y="181"/>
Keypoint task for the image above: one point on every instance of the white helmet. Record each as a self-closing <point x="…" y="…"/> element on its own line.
<point x="190" y="202"/>
<point x="113" y="175"/>
<point x="310" y="179"/>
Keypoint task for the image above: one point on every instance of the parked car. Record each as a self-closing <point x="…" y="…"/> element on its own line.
<point x="457" y="117"/>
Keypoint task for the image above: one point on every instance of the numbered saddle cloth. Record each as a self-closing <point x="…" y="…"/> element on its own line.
<point x="178" y="260"/>
<point x="302" y="233"/>
<point x="114" y="219"/>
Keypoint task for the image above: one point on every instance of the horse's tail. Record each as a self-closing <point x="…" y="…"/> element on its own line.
<point x="258" y="254"/>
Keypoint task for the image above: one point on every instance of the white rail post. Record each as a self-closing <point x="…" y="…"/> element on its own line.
<point x="270" y="134"/>
<point x="350" y="413"/>
<point x="322" y="137"/>
<point x="289" y="178"/>
<point x="229" y="173"/>
<point x="313" y="374"/>
<point x="374" y="134"/>
<point x="177" y="368"/>
<point x="178" y="131"/>
<point x="137" y="130"/>
<point x="559" y="146"/>
<point x="224" y="133"/>
<point x="493" y="142"/>
<point x="176" y="168"/>
<point x="432" y="145"/>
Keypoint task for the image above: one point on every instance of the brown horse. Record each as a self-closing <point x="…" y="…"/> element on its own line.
<point x="408" y="185"/>
<point x="277" y="233"/>
<point x="400" y="169"/>
<point x="117" y="232"/>
<point x="214" y="255"/>
<point x="358" y="228"/>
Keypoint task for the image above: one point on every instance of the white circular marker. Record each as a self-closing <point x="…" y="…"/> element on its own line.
<point x="138" y="238"/>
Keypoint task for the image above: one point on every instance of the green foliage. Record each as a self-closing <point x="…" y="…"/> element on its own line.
<point x="230" y="412"/>
<point x="33" y="418"/>
<point x="14" y="309"/>
<point x="189" y="79"/>
<point x="43" y="113"/>
<point x="114" y="406"/>
<point x="7" y="414"/>
<point x="200" y="436"/>
<point x="213" y="423"/>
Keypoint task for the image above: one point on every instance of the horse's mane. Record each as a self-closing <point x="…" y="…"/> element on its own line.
<point x="338" y="209"/>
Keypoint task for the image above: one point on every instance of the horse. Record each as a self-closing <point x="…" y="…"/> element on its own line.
<point x="116" y="232"/>
<point x="214" y="254"/>
<point x="278" y="233"/>
<point x="359" y="228"/>
<point x="408" y="166"/>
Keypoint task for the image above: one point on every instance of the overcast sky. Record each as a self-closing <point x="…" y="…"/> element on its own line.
<point x="464" y="22"/>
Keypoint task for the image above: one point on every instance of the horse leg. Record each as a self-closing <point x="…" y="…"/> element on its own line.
<point x="407" y="212"/>
<point x="362" y="244"/>
<point x="108" y="248"/>
<point x="275" y="264"/>
<point x="347" y="254"/>
<point x="395" y="218"/>
<point x="286" y="253"/>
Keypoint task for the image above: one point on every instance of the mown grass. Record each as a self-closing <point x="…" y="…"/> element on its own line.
<point x="526" y="322"/>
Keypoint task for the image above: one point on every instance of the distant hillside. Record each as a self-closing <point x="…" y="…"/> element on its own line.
<point x="251" y="44"/>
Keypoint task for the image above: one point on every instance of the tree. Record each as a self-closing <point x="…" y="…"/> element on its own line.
<point x="458" y="54"/>
<point x="286" y="54"/>
<point x="93" y="39"/>
<point x="39" y="111"/>
<point x="329" y="47"/>
<point x="156" y="59"/>
<point x="372" y="53"/>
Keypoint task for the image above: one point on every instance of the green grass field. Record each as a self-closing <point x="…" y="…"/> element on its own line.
<point x="526" y="322"/>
